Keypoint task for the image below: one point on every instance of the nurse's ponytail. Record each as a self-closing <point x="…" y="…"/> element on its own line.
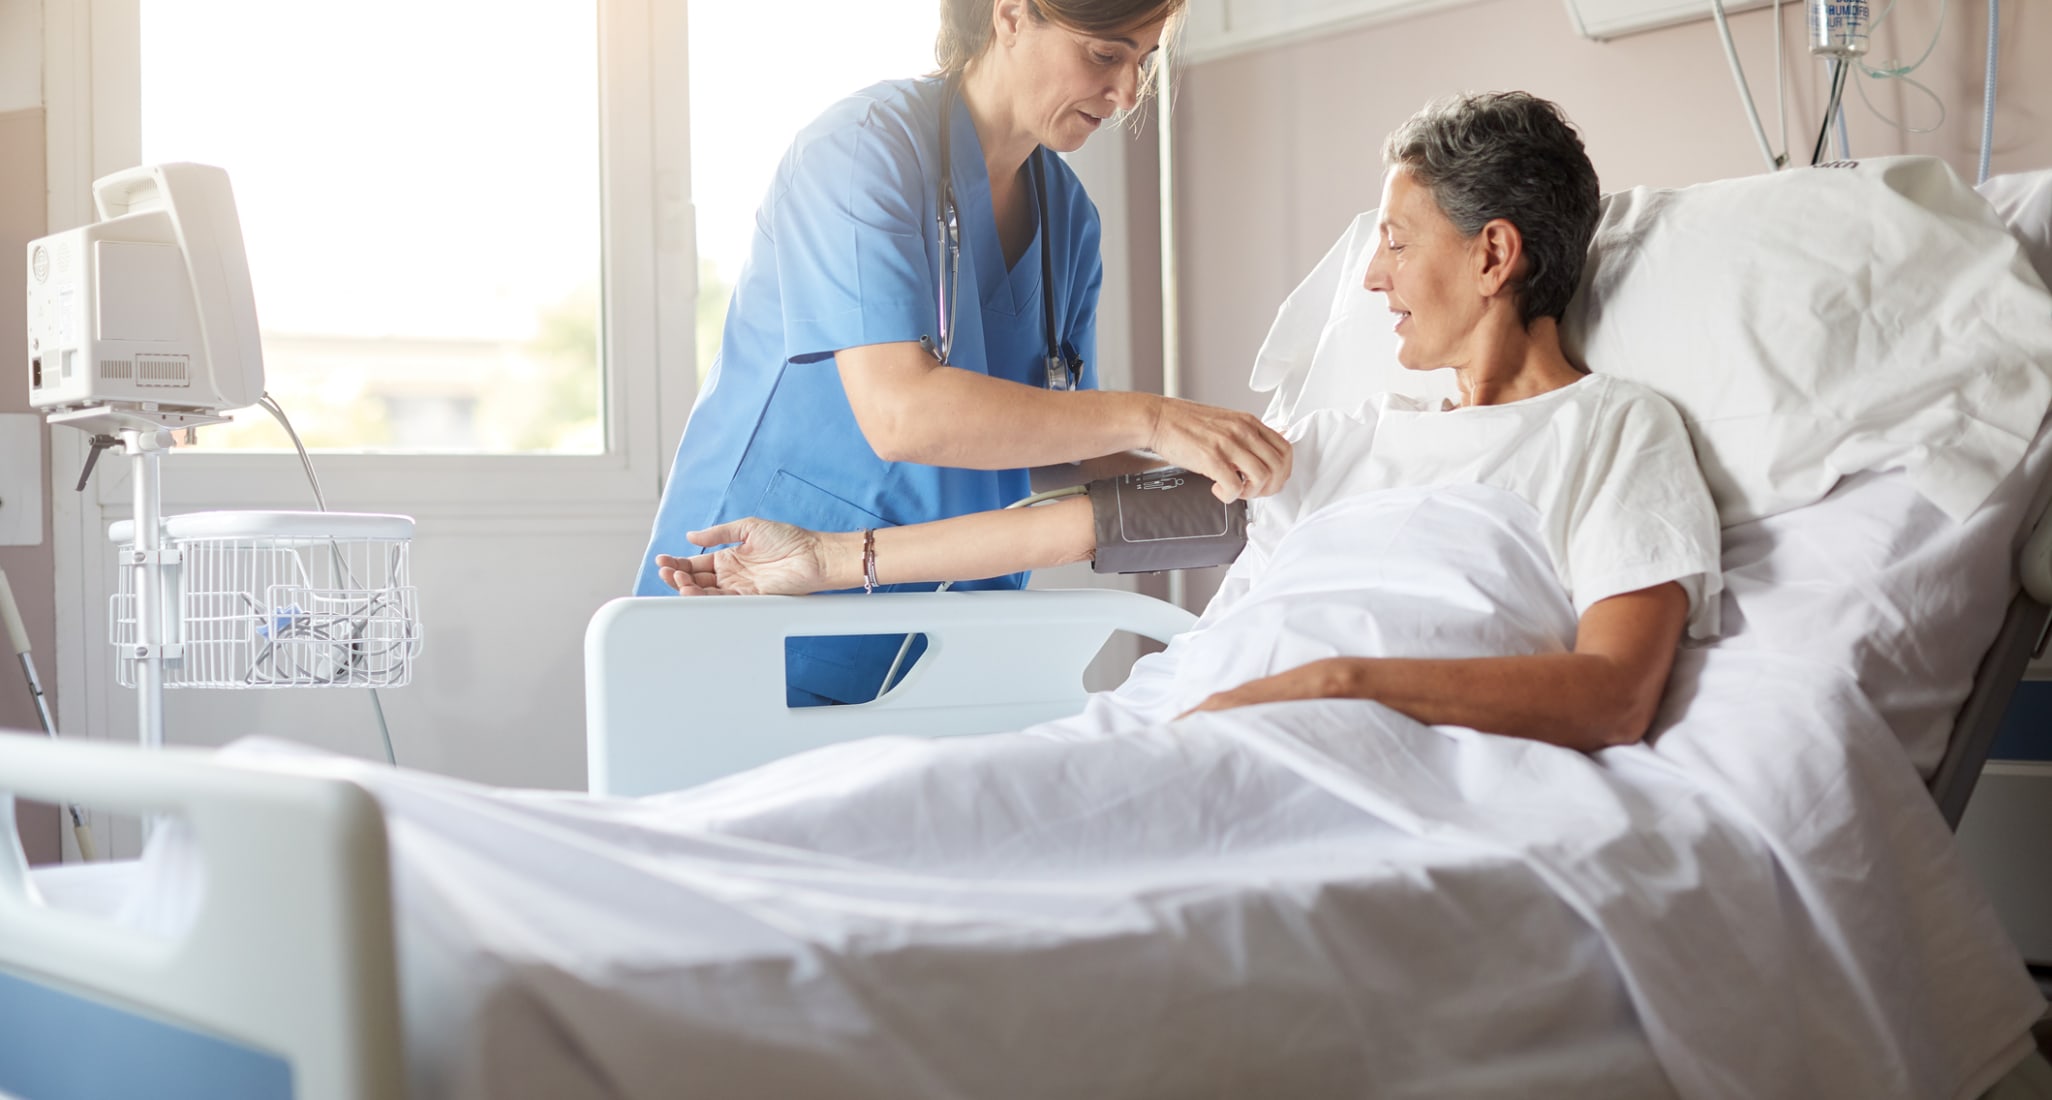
<point x="965" y="25"/>
<point x="964" y="33"/>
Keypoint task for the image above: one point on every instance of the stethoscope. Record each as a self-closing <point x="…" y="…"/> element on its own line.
<point x="1064" y="372"/>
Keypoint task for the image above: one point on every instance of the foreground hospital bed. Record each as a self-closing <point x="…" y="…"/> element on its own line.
<point x="1315" y="899"/>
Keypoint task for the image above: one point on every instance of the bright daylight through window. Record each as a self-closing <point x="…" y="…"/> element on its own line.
<point x="759" y="73"/>
<point x="418" y="182"/>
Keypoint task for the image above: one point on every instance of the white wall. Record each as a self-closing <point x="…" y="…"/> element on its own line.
<point x="21" y="54"/>
<point x="30" y="569"/>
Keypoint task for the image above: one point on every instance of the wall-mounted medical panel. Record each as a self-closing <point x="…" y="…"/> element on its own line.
<point x="1221" y="28"/>
<point x="1604" y="19"/>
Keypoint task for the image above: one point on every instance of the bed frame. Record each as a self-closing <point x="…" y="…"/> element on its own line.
<point x="2021" y="638"/>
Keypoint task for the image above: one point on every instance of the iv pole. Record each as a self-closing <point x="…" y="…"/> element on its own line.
<point x="143" y="432"/>
<point x="1171" y="320"/>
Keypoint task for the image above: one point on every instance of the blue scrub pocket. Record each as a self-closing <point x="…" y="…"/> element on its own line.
<point x="789" y="498"/>
<point x="822" y="671"/>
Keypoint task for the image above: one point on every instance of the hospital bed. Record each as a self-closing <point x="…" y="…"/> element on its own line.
<point x="285" y="979"/>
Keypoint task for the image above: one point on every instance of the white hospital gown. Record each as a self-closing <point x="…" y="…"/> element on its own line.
<point x="1605" y="462"/>
<point x="1408" y="532"/>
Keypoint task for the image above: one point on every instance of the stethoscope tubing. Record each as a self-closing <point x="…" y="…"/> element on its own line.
<point x="948" y="253"/>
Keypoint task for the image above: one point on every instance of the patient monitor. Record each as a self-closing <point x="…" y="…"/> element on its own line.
<point x="140" y="324"/>
<point x="149" y="306"/>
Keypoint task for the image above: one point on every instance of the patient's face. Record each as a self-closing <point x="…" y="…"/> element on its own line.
<point x="1425" y="268"/>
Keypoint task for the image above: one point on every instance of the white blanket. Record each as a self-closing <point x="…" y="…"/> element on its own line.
<point x="1308" y="899"/>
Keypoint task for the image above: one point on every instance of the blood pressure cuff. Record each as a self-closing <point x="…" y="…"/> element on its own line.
<point x="1163" y="519"/>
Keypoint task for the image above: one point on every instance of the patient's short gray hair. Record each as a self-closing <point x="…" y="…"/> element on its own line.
<point x="1514" y="156"/>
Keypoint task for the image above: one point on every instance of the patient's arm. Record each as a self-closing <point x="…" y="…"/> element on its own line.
<point x="773" y="558"/>
<point x="1604" y="693"/>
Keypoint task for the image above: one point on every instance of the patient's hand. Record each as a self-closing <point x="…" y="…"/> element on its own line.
<point x="770" y="559"/>
<point x="1332" y="678"/>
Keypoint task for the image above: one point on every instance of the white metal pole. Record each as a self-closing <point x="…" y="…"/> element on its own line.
<point x="1171" y="321"/>
<point x="146" y="447"/>
<point x="1171" y="349"/>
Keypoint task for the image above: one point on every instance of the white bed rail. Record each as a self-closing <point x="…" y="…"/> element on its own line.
<point x="680" y="691"/>
<point x="291" y="948"/>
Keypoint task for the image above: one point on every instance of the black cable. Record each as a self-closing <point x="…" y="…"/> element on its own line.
<point x="1838" y="71"/>
<point x="1824" y="131"/>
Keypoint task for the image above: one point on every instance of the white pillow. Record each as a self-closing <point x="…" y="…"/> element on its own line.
<point x="2023" y="200"/>
<point x="1333" y="344"/>
<point x="1814" y="323"/>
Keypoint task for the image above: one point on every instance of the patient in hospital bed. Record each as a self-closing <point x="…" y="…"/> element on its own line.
<point x="1356" y="889"/>
<point x="1524" y="563"/>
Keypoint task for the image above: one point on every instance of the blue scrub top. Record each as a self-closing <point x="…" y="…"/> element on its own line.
<point x="844" y="256"/>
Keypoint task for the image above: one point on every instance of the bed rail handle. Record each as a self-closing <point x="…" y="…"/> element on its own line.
<point x="291" y="949"/>
<point x="679" y="691"/>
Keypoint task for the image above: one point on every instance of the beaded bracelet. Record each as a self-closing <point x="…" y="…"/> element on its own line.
<point x="868" y="560"/>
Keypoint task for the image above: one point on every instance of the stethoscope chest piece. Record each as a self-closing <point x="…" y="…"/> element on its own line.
<point x="1060" y="374"/>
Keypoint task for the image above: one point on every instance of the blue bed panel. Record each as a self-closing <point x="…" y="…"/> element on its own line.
<point x="2026" y="732"/>
<point x="55" y="1045"/>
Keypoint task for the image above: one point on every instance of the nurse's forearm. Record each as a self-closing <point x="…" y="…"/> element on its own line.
<point x="960" y="418"/>
<point x="981" y="544"/>
<point x="913" y="411"/>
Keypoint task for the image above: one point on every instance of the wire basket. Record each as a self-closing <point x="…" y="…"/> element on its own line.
<point x="278" y="599"/>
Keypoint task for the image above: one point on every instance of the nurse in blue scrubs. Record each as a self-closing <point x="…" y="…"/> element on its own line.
<point x="830" y="405"/>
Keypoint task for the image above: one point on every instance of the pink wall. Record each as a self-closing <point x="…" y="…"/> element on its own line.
<point x="1279" y="149"/>
<point x="31" y="570"/>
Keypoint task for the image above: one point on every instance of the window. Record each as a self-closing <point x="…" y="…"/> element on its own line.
<point x="759" y="73"/>
<point x="446" y="201"/>
<point x="419" y="188"/>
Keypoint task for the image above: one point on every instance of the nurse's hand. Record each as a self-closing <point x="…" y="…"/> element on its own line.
<point x="1242" y="456"/>
<point x="769" y="559"/>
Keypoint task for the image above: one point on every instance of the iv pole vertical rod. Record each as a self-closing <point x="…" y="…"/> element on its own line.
<point x="1171" y="335"/>
<point x="1171" y="318"/>
<point x="145" y="445"/>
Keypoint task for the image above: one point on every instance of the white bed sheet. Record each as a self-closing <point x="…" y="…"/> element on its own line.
<point x="818" y="975"/>
<point x="96" y="890"/>
<point x="1311" y="899"/>
<point x="1877" y="583"/>
<point x="818" y="931"/>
